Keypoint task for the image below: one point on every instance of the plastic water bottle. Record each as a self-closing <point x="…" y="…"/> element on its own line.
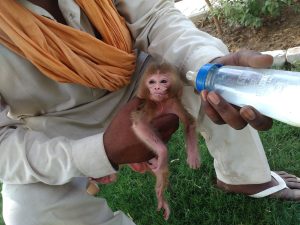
<point x="274" y="93"/>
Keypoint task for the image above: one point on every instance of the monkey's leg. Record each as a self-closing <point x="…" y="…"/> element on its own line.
<point x="162" y="179"/>
<point x="161" y="183"/>
<point x="193" y="156"/>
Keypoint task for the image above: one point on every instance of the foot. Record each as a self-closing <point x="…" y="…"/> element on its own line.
<point x="92" y="188"/>
<point x="290" y="193"/>
<point x="193" y="159"/>
<point x="293" y="191"/>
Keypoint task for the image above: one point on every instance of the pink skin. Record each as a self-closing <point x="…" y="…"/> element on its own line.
<point x="158" y="85"/>
<point x="160" y="164"/>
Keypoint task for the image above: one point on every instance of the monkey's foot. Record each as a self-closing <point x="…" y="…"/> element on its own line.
<point x="193" y="161"/>
<point x="283" y="186"/>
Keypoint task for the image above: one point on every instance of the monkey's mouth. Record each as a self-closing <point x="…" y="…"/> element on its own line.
<point x="160" y="92"/>
<point x="159" y="96"/>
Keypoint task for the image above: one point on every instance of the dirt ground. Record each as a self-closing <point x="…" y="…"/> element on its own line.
<point x="282" y="33"/>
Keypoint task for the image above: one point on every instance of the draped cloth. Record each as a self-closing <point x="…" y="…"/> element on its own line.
<point x="68" y="55"/>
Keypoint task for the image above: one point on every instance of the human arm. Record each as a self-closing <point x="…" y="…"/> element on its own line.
<point x="166" y="34"/>
<point x="29" y="156"/>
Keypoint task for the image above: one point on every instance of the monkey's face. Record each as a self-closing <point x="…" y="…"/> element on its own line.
<point x="158" y="85"/>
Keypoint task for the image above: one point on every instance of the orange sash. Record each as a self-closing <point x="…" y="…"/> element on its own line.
<point x="65" y="54"/>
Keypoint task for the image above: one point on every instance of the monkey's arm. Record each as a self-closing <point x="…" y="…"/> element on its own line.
<point x="147" y="135"/>
<point x="193" y="156"/>
<point x="159" y="165"/>
<point x="130" y="149"/>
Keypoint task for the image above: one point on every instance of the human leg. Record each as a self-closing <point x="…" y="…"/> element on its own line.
<point x="241" y="164"/>
<point x="69" y="204"/>
<point x="239" y="159"/>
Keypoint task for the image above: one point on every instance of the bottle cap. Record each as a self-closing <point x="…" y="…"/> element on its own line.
<point x="202" y="74"/>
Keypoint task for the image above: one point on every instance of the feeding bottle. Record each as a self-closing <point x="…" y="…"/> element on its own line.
<point x="274" y="93"/>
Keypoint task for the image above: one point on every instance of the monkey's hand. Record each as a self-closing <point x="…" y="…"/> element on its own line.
<point x="159" y="163"/>
<point x="128" y="148"/>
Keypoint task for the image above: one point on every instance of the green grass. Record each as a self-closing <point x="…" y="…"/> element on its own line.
<point x="192" y="195"/>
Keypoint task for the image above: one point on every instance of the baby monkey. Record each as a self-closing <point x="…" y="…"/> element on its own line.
<point x="160" y="89"/>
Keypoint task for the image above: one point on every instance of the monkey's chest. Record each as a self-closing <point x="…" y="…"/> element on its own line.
<point x="163" y="108"/>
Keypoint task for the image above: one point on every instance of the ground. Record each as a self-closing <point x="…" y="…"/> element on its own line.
<point x="282" y="33"/>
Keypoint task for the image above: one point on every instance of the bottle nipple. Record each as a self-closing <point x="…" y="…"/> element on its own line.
<point x="191" y="76"/>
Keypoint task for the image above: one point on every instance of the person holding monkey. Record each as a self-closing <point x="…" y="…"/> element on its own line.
<point x="69" y="70"/>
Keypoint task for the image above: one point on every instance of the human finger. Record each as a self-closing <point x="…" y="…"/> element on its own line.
<point x="209" y="110"/>
<point x="229" y="113"/>
<point x="256" y="119"/>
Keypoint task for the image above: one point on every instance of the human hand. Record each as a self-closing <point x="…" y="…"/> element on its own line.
<point x="220" y="111"/>
<point x="121" y="144"/>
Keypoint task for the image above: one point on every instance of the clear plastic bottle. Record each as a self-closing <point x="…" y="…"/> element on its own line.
<point x="274" y="93"/>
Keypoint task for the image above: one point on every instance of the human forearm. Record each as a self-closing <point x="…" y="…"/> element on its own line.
<point x="28" y="157"/>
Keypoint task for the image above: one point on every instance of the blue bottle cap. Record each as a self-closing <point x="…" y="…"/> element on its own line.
<point x="202" y="74"/>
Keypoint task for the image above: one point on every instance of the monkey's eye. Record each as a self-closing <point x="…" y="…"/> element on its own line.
<point x="151" y="82"/>
<point x="163" y="81"/>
